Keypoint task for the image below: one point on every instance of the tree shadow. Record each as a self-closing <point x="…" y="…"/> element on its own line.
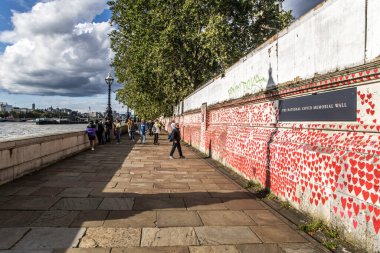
<point x="271" y="94"/>
<point x="115" y="186"/>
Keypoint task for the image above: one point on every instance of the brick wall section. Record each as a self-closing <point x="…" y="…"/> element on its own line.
<point x="329" y="169"/>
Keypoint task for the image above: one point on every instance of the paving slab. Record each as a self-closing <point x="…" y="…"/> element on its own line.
<point x="111" y="238"/>
<point x="47" y="191"/>
<point x="50" y="238"/>
<point x="229" y="194"/>
<point x="243" y="204"/>
<point x="264" y="217"/>
<point x="90" y="218"/>
<point x="180" y="193"/>
<point x="26" y="190"/>
<point x="55" y="218"/>
<point x="137" y="219"/>
<point x="108" y="192"/>
<point x="225" y="235"/>
<point x="27" y="251"/>
<point x="5" y="199"/>
<point x="171" y="185"/>
<point x="299" y="248"/>
<point x="82" y="251"/>
<point x="116" y="204"/>
<point x="9" y="236"/>
<point x="214" y="249"/>
<point x="204" y="204"/>
<point x="178" y="236"/>
<point x="225" y="218"/>
<point x="18" y="218"/>
<point x="78" y="203"/>
<point x="101" y="185"/>
<point x="158" y="204"/>
<point x="78" y="192"/>
<point x="151" y="250"/>
<point x="260" y="248"/>
<point x="146" y="186"/>
<point x="178" y="219"/>
<point x="277" y="234"/>
<point x="7" y="190"/>
<point x="29" y="203"/>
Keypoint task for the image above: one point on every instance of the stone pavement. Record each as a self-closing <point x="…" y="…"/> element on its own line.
<point x="132" y="198"/>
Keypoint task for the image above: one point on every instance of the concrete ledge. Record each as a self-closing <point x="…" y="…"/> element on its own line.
<point x="20" y="157"/>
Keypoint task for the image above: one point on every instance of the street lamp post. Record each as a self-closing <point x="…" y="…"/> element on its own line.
<point x="109" y="81"/>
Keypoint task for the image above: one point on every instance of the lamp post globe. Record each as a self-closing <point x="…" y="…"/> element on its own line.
<point x="109" y="80"/>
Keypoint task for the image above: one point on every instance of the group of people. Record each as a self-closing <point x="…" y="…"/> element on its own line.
<point x="153" y="127"/>
<point x="101" y="130"/>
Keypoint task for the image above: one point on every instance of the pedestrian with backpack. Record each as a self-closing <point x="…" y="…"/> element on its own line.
<point x="176" y="136"/>
<point x="91" y="133"/>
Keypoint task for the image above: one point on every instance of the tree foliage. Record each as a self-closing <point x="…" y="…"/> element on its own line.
<point x="164" y="50"/>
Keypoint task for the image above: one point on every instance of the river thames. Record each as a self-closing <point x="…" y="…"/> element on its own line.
<point x="21" y="130"/>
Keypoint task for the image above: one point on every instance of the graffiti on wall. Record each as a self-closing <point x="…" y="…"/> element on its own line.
<point x="251" y="86"/>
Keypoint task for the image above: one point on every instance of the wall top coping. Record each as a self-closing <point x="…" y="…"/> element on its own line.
<point x="269" y="41"/>
<point x="37" y="139"/>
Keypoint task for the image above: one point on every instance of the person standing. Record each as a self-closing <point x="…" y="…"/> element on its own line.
<point x="142" y="129"/>
<point x="91" y="133"/>
<point x="108" y="127"/>
<point x="104" y="140"/>
<point x="150" y="127"/>
<point x="99" y="131"/>
<point x="129" y="128"/>
<point x="156" y="131"/>
<point x="172" y="127"/>
<point x="176" y="136"/>
<point x="118" y="131"/>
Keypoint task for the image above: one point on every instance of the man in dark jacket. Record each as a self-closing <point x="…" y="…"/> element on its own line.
<point x="108" y="128"/>
<point x="99" y="131"/>
<point x="176" y="136"/>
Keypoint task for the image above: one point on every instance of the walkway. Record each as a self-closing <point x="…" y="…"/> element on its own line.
<point x="134" y="199"/>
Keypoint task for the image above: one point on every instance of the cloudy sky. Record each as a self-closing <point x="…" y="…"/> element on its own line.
<point x="56" y="52"/>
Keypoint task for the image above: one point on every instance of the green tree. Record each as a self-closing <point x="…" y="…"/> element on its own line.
<point x="164" y="50"/>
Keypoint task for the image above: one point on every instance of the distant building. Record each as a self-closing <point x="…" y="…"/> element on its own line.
<point x="16" y="109"/>
<point x="4" y="107"/>
<point x="33" y="107"/>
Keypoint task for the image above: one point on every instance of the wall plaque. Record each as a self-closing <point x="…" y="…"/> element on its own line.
<point x="329" y="106"/>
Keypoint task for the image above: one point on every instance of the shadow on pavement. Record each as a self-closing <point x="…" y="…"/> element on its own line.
<point x="133" y="195"/>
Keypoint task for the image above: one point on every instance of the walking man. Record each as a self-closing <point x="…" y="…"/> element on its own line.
<point x="176" y="137"/>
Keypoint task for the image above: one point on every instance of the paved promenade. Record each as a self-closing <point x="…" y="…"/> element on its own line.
<point x="134" y="199"/>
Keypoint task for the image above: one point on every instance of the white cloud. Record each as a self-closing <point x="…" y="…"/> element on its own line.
<point x="56" y="50"/>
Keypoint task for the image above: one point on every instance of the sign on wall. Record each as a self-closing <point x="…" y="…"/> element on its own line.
<point x="330" y="106"/>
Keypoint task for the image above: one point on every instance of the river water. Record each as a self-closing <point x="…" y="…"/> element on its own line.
<point x="21" y="130"/>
